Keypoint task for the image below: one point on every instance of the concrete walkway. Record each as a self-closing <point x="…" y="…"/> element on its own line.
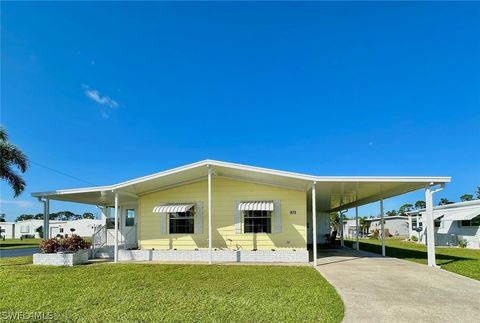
<point x="377" y="289"/>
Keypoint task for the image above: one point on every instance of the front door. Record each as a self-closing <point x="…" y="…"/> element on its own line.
<point x="129" y="226"/>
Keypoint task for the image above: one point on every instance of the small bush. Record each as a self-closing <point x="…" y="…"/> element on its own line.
<point x="70" y="244"/>
<point x="75" y="243"/>
<point x="50" y="246"/>
<point x="414" y="238"/>
<point x="462" y="243"/>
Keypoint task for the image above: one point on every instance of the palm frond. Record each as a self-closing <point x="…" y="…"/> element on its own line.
<point x="16" y="182"/>
<point x="11" y="155"/>
<point x="3" y="134"/>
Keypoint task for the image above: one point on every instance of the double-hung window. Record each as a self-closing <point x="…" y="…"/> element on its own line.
<point x="257" y="221"/>
<point x="182" y="222"/>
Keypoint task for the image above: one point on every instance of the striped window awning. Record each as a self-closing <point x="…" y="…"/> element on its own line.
<point x="172" y="208"/>
<point x="256" y="206"/>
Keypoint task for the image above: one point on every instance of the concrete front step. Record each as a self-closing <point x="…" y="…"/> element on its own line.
<point x="103" y="255"/>
<point x="106" y="252"/>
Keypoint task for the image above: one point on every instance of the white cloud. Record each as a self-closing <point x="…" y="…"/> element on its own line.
<point x="18" y="203"/>
<point x="103" y="100"/>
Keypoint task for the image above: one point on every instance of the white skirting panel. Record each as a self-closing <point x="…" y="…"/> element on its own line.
<point x="260" y="256"/>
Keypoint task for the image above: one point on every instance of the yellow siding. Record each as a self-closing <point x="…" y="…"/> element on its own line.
<point x="225" y="193"/>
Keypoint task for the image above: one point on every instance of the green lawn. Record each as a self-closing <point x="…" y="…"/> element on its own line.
<point x="107" y="292"/>
<point x="465" y="262"/>
<point x="17" y="243"/>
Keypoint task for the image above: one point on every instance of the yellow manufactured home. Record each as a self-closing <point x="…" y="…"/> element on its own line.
<point x="214" y="211"/>
<point x="247" y="216"/>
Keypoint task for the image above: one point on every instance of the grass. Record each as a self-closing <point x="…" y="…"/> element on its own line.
<point x="106" y="292"/>
<point x="465" y="262"/>
<point x="17" y="243"/>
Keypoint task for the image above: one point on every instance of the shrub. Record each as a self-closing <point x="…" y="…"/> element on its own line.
<point x="462" y="243"/>
<point x="414" y="238"/>
<point x="50" y="246"/>
<point x="39" y="230"/>
<point x="75" y="243"/>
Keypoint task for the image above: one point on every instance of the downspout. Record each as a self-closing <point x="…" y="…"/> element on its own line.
<point x="342" y="233"/>
<point x="46" y="215"/>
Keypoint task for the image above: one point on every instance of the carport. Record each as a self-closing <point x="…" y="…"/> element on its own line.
<point x="338" y="194"/>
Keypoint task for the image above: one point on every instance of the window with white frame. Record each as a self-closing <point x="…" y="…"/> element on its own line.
<point x="25" y="229"/>
<point x="110" y="220"/>
<point x="257" y="221"/>
<point x="182" y="222"/>
<point x="129" y="217"/>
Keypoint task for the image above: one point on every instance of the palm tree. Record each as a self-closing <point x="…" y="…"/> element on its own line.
<point x="363" y="225"/>
<point x="11" y="158"/>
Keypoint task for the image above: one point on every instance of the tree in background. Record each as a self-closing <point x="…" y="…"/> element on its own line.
<point x="24" y="217"/>
<point x="466" y="197"/>
<point x="391" y="213"/>
<point x="12" y="158"/>
<point x="363" y="224"/>
<point x="444" y="201"/>
<point x="62" y="215"/>
<point x="420" y="204"/>
<point x="88" y="215"/>
<point x="2" y="217"/>
<point x="478" y="192"/>
<point x="335" y="221"/>
<point x="407" y="207"/>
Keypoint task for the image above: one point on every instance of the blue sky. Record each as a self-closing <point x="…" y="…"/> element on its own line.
<point x="110" y="91"/>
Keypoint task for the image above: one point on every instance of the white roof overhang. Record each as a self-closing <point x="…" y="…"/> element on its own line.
<point x="461" y="215"/>
<point x="333" y="192"/>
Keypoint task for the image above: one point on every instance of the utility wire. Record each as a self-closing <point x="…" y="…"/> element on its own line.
<point x="62" y="173"/>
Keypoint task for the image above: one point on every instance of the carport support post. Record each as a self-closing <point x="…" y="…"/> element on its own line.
<point x="115" y="251"/>
<point x="46" y="219"/>
<point x="210" y="214"/>
<point x="314" y="224"/>
<point x="430" y="225"/>
<point x="342" y="240"/>
<point x="382" y="227"/>
<point x="356" y="227"/>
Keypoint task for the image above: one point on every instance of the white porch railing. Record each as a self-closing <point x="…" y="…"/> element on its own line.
<point x="104" y="238"/>
<point x="99" y="238"/>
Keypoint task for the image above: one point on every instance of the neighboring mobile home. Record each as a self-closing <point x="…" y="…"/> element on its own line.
<point x="453" y="223"/>
<point x="7" y="230"/>
<point x="216" y="211"/>
<point x="82" y="227"/>
<point x="395" y="226"/>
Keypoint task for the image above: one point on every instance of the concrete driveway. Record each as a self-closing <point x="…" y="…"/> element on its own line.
<point x="377" y="289"/>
